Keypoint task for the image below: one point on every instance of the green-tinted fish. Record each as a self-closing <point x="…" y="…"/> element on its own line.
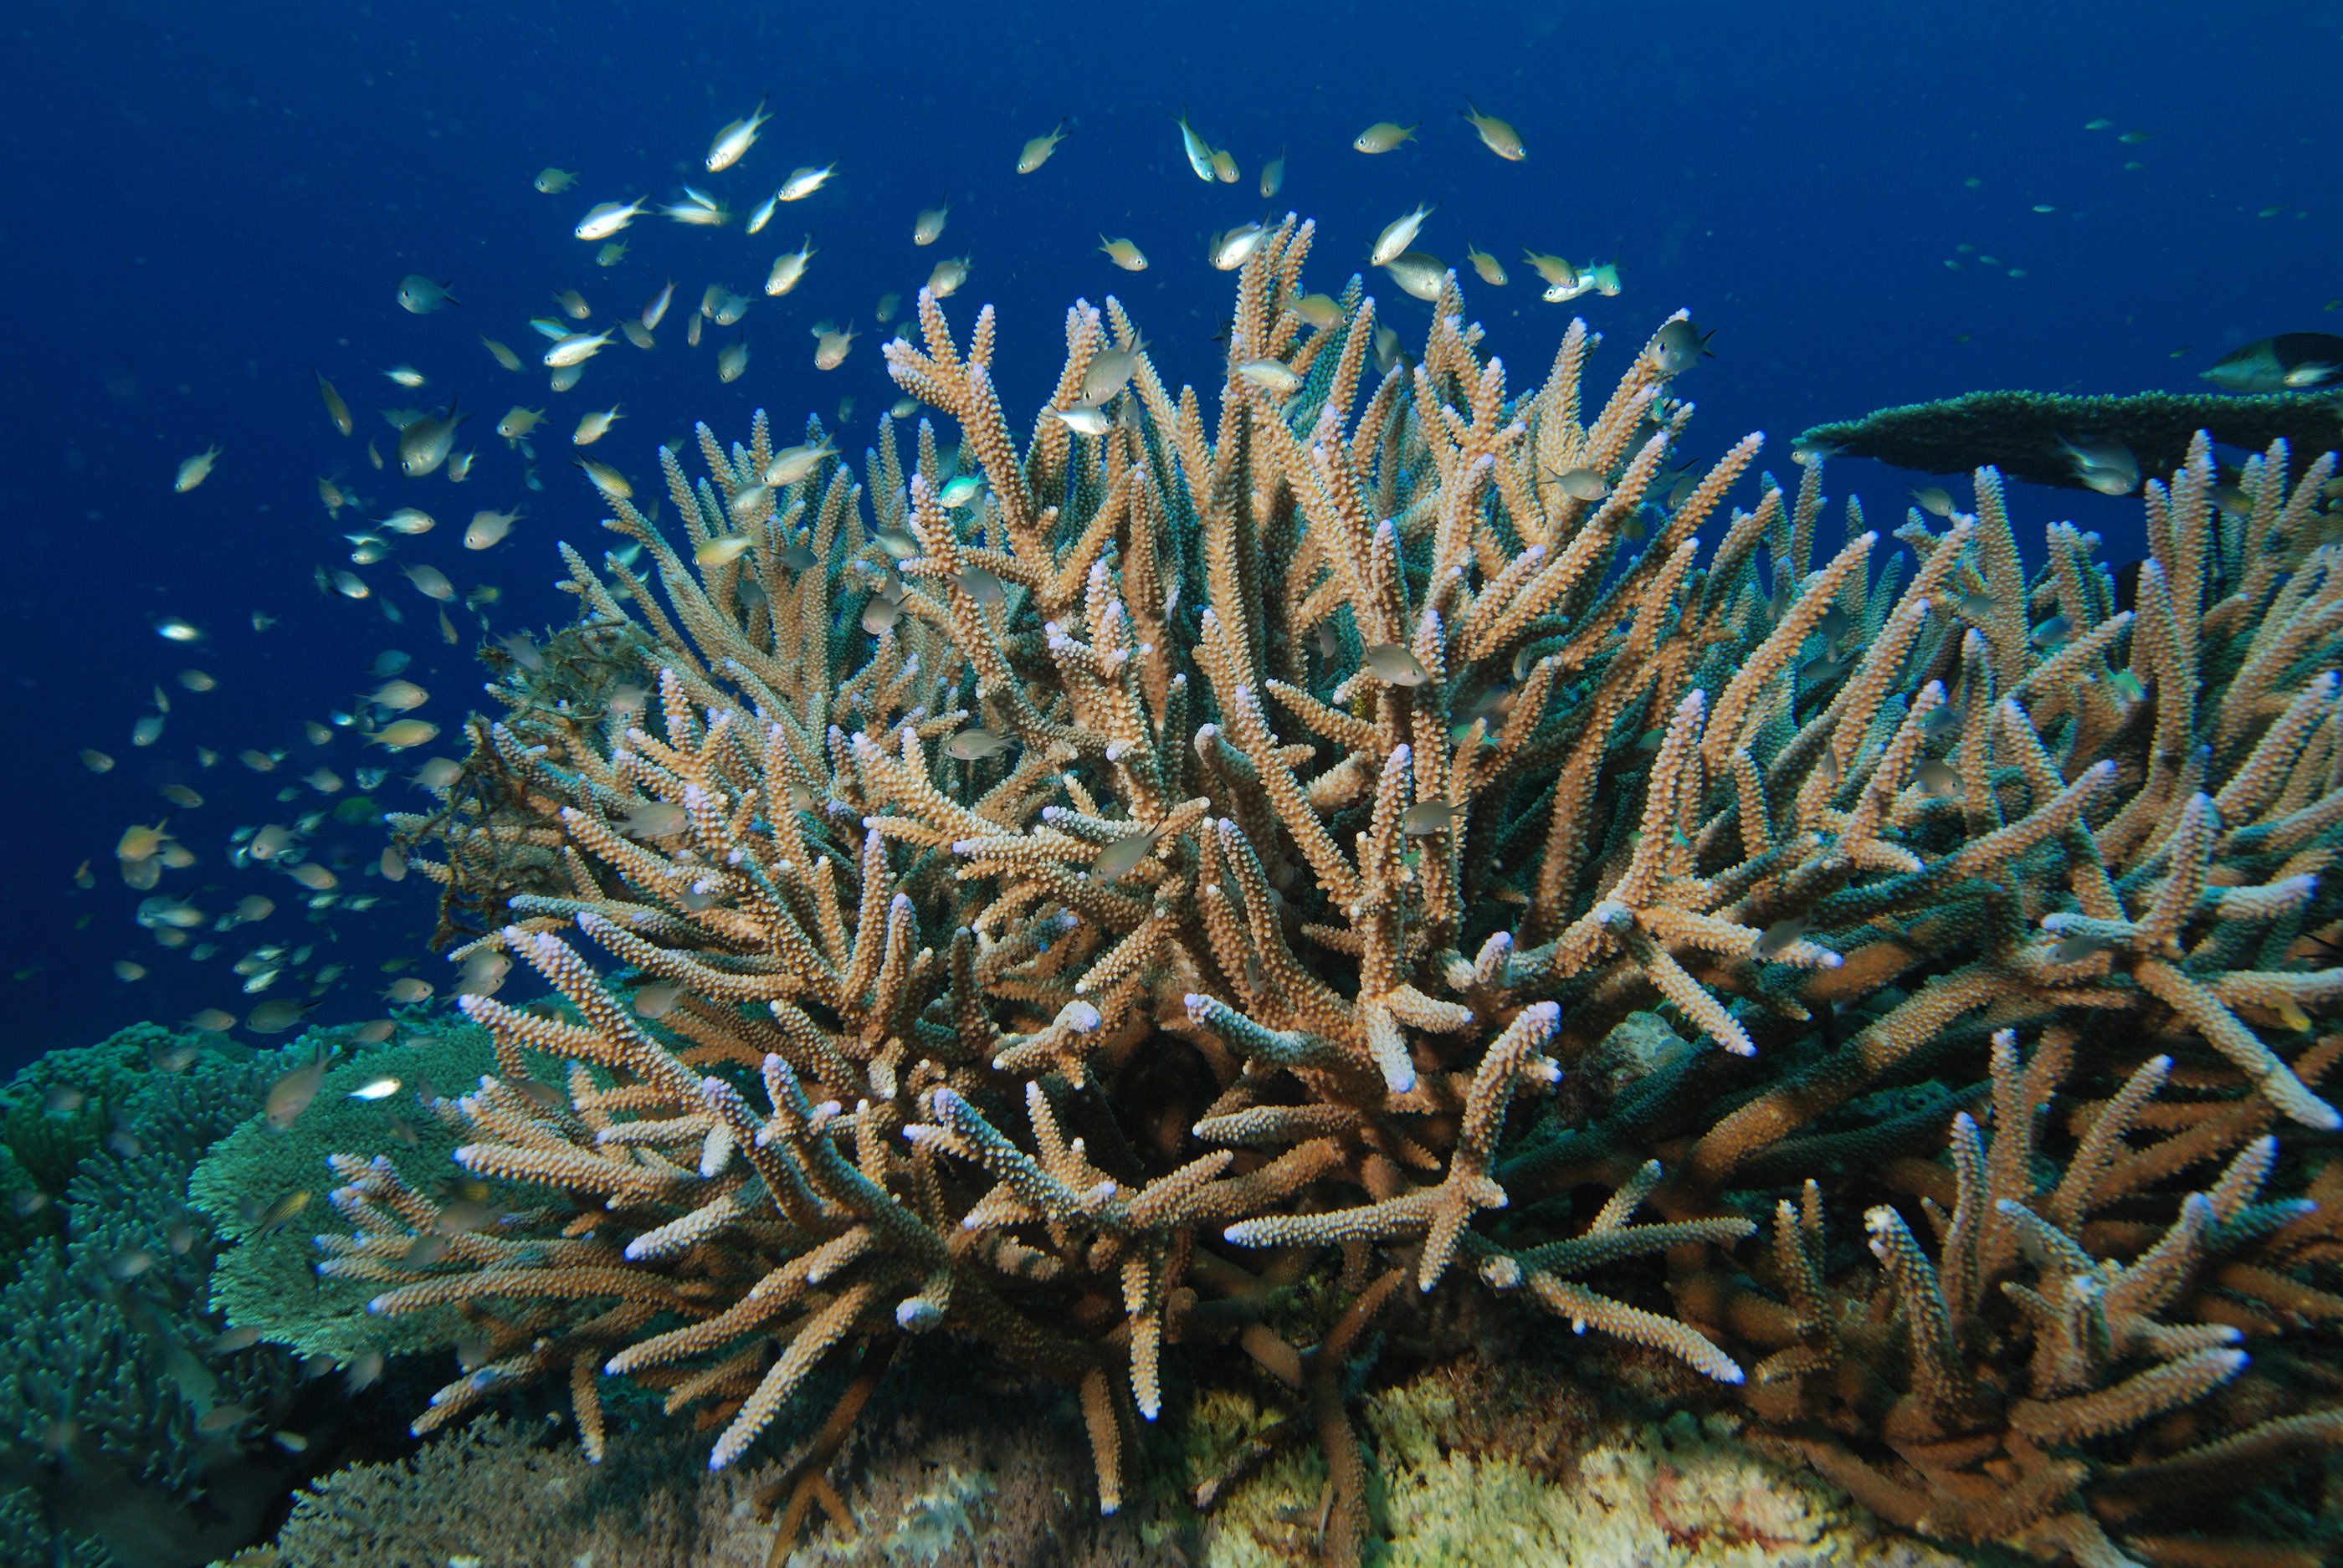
<point x="655" y="311"/>
<point x="1036" y="153"/>
<point x="1108" y="373"/>
<point x="1322" y="311"/>
<point x="981" y="585"/>
<point x="1229" y="251"/>
<point x="551" y="181"/>
<point x="1426" y="817"/>
<point x="2107" y="467"/>
<point x="519" y="422"/>
<point x="575" y="350"/>
<point x="336" y="409"/>
<point x="195" y="470"/>
<point x="1198" y="151"/>
<point x="1397" y="235"/>
<point x="1419" y="276"/>
<point x="1271" y="375"/>
<point x="944" y="279"/>
<point x="1780" y="936"/>
<point x="736" y="138"/>
<point x="401" y="734"/>
<point x="802" y="183"/>
<point x="1563" y="281"/>
<point x="789" y="269"/>
<point x="290" y="1095"/>
<point x="1122" y="857"/>
<point x="831" y="345"/>
<point x="423" y="446"/>
<point x="1395" y="666"/>
<point x="975" y="744"/>
<point x="1273" y="175"/>
<point x="420" y="295"/>
<point x="1382" y="136"/>
<point x="1498" y="136"/>
<point x="606" y="218"/>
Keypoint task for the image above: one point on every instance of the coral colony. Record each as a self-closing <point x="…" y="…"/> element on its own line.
<point x="1167" y="909"/>
<point x="1220" y="887"/>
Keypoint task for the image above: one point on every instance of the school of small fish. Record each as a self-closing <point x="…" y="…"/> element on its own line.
<point x="386" y="524"/>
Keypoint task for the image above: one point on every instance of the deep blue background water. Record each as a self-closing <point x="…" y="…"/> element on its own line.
<point x="203" y="203"/>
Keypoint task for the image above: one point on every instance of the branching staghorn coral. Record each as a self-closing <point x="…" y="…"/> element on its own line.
<point x="1064" y="914"/>
<point x="2135" y="1405"/>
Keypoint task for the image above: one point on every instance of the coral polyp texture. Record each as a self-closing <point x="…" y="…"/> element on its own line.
<point x="1221" y="889"/>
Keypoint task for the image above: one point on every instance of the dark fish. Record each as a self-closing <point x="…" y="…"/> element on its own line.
<point x="290" y="1095"/>
<point x="1679" y="346"/>
<point x="2291" y="361"/>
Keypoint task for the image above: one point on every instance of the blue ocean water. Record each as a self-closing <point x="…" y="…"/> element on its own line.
<point x="206" y="205"/>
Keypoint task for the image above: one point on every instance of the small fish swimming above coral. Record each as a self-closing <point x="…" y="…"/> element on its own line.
<point x="1265" y="879"/>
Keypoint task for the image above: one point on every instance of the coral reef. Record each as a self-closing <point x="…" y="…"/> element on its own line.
<point x="2025" y="435"/>
<point x="1257" y="885"/>
<point x="487" y="1493"/>
<point x="2136" y="1406"/>
<point x="266" y="1281"/>
<point x="989" y="1474"/>
<point x="134" y="1430"/>
<point x="958" y="1472"/>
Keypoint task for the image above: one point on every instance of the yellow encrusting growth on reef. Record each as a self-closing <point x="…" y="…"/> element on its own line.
<point x="1203" y="861"/>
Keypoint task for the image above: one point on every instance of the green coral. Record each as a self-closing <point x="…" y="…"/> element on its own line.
<point x="60" y="1106"/>
<point x="128" y="1433"/>
<point x="268" y="1280"/>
